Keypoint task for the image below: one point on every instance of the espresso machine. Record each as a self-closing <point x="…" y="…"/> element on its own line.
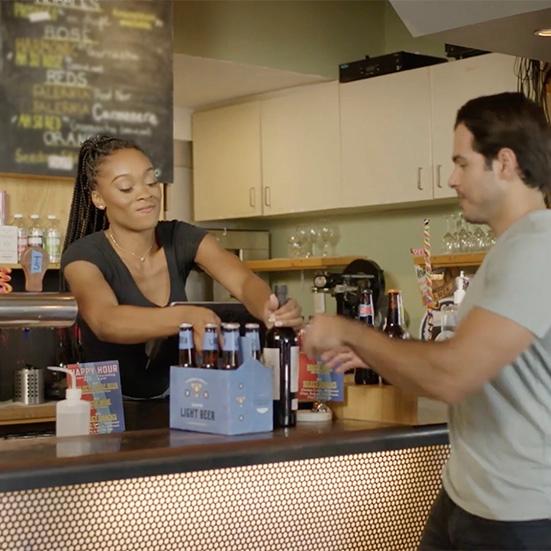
<point x="345" y="287"/>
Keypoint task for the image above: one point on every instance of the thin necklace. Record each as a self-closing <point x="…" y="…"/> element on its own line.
<point x="115" y="242"/>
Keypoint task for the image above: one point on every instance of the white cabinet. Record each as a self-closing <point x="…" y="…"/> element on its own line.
<point x="300" y="150"/>
<point x="385" y="139"/>
<point x="452" y="85"/>
<point x="227" y="164"/>
<point x="279" y="155"/>
<point x="397" y="130"/>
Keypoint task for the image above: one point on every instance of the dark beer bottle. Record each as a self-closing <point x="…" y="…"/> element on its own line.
<point x="282" y="355"/>
<point x="210" y="346"/>
<point x="393" y="327"/>
<point x="366" y="314"/>
<point x="230" y="346"/>
<point x="185" y="346"/>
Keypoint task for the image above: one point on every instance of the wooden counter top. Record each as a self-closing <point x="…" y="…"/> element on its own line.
<point x="49" y="461"/>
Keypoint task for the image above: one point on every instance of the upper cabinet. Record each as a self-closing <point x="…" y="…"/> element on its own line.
<point x="397" y="130"/>
<point x="300" y="150"/>
<point x="385" y="139"/>
<point x="453" y="84"/>
<point x="226" y="162"/>
<point x="379" y="141"/>
<point x="275" y="156"/>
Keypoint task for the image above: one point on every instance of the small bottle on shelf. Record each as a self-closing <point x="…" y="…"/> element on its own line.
<point x="36" y="232"/>
<point x="366" y="315"/>
<point x="22" y="234"/>
<point x="52" y="241"/>
<point x="393" y="327"/>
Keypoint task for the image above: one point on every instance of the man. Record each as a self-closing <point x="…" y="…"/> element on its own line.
<point x="495" y="373"/>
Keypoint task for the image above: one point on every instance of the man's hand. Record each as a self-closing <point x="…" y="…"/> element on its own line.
<point x="324" y="333"/>
<point x="289" y="315"/>
<point x="342" y="359"/>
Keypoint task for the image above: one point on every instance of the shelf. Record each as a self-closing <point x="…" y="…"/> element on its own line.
<point x="51" y="266"/>
<point x="296" y="264"/>
<point x="14" y="413"/>
<point x="453" y="260"/>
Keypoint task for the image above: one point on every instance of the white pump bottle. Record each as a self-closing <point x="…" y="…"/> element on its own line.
<point x="72" y="415"/>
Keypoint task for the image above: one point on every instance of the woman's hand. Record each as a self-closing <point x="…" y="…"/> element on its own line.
<point x="288" y="315"/>
<point x="5" y="287"/>
<point x="198" y="317"/>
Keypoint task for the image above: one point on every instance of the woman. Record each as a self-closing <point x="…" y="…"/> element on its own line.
<point x="124" y="267"/>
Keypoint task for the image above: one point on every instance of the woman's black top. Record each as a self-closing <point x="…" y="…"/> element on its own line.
<point x="141" y="376"/>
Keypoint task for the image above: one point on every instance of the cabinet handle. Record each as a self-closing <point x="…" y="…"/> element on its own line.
<point x="438" y="179"/>
<point x="267" y="197"/>
<point x="252" y="197"/>
<point x="419" y="184"/>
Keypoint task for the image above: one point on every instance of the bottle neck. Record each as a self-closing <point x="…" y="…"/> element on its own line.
<point x="394" y="315"/>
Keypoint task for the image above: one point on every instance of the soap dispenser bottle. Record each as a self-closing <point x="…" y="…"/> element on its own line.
<point x="72" y="416"/>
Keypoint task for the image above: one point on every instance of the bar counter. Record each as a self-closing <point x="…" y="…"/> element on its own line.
<point x="343" y="485"/>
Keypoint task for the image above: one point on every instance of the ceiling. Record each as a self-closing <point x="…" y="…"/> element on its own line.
<point x="203" y="82"/>
<point x="504" y="26"/>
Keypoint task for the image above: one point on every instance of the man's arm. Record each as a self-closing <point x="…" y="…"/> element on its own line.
<point x="483" y="344"/>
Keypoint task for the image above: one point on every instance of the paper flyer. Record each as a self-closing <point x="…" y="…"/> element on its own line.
<point x="319" y="383"/>
<point x="100" y="383"/>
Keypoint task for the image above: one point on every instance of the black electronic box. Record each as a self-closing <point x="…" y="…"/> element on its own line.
<point x="384" y="65"/>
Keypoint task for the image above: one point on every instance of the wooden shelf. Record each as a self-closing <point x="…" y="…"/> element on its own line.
<point x="51" y="266"/>
<point x="14" y="413"/>
<point x="453" y="260"/>
<point x="296" y="264"/>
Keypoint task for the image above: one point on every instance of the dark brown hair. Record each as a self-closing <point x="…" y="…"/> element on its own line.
<point x="511" y="120"/>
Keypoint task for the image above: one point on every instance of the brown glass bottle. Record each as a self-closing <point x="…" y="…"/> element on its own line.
<point x="185" y="346"/>
<point x="366" y="314"/>
<point x="230" y="346"/>
<point x="210" y="346"/>
<point x="282" y="355"/>
<point x="393" y="327"/>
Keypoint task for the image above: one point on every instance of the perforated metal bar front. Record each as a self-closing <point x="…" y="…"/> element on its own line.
<point x="377" y="501"/>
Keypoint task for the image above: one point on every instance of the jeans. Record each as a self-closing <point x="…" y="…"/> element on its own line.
<point x="450" y="527"/>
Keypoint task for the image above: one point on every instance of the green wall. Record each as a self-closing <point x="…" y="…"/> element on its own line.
<point x="315" y="37"/>
<point x="303" y="36"/>
<point x="385" y="237"/>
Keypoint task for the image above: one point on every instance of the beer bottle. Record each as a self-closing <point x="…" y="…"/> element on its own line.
<point x="252" y="330"/>
<point x="210" y="346"/>
<point x="282" y="355"/>
<point x="366" y="314"/>
<point x="230" y="346"/>
<point x="185" y="346"/>
<point x="393" y="327"/>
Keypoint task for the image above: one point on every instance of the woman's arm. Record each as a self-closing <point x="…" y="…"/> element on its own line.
<point x="244" y="285"/>
<point x="122" y="324"/>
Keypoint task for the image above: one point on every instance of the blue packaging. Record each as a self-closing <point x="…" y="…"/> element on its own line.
<point x="237" y="401"/>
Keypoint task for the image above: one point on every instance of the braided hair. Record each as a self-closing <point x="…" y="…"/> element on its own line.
<point x="84" y="217"/>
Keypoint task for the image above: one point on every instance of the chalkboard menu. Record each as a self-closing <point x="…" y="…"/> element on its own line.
<point x="70" y="69"/>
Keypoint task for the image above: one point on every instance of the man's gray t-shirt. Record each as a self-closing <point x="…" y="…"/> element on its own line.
<point x="500" y="466"/>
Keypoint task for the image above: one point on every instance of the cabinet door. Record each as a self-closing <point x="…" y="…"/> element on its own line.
<point x="226" y="159"/>
<point x="300" y="150"/>
<point x="385" y="139"/>
<point x="452" y="85"/>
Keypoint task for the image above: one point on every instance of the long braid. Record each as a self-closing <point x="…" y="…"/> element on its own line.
<point x="84" y="217"/>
